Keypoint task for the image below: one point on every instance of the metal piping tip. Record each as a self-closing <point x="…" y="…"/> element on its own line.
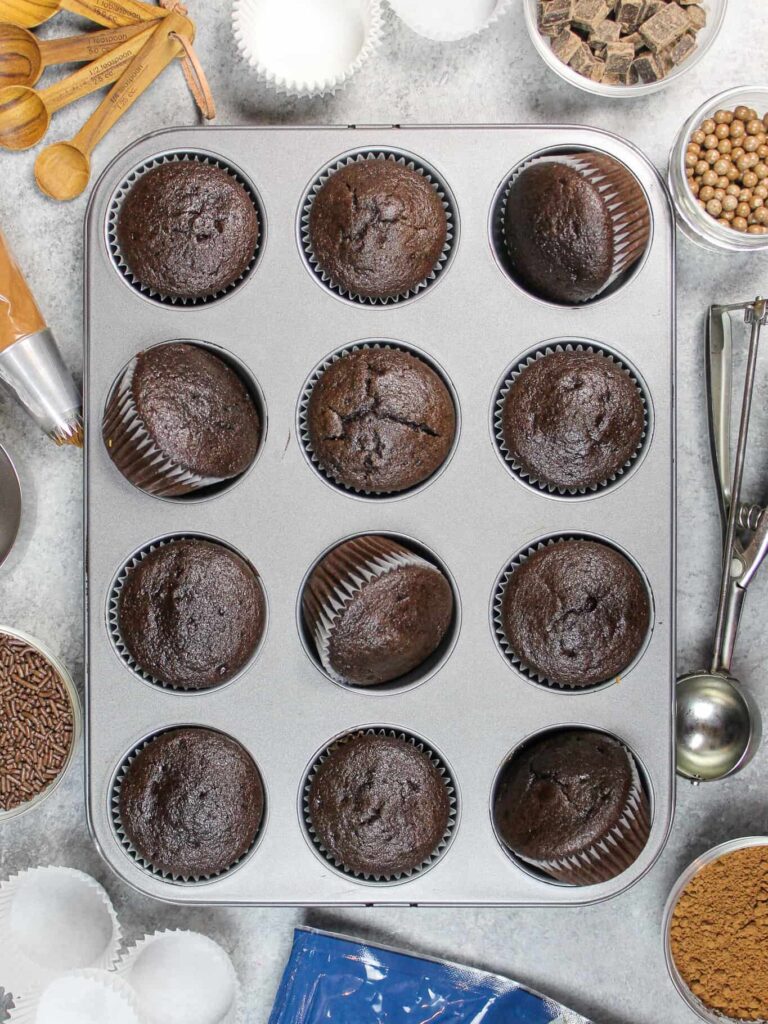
<point x="72" y="433"/>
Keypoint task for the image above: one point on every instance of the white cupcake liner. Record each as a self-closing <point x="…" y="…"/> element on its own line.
<point x="404" y="160"/>
<point x="135" y="453"/>
<point x="132" y="954"/>
<point x="43" y="1007"/>
<point x="247" y="36"/>
<point x="444" y="29"/>
<point x="439" y="850"/>
<point x="629" y="218"/>
<point x="116" y="205"/>
<point x="498" y="618"/>
<point x="303" y="425"/>
<point x="130" y="849"/>
<point x="350" y="583"/>
<point x="113" y="614"/>
<point x="615" y="853"/>
<point x="514" y="373"/>
<point x="21" y="975"/>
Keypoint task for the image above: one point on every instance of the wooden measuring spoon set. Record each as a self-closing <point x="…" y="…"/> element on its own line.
<point x="138" y="42"/>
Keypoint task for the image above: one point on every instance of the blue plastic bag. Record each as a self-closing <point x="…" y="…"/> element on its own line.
<point x="333" y="980"/>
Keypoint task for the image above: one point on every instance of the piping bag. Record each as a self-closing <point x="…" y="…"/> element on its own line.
<point x="31" y="367"/>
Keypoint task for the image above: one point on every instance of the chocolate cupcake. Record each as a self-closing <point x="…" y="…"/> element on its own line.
<point x="571" y="420"/>
<point x="375" y="610"/>
<point x="190" y="803"/>
<point x="190" y="614"/>
<point x="187" y="230"/>
<point x="379" y="420"/>
<point x="378" y="806"/>
<point x="573" y="224"/>
<point x="572" y="805"/>
<point x="377" y="228"/>
<point x="574" y="614"/>
<point x="180" y="419"/>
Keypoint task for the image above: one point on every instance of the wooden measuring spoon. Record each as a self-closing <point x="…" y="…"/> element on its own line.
<point x="29" y="13"/>
<point x="62" y="171"/>
<point x="23" y="57"/>
<point x="26" y="113"/>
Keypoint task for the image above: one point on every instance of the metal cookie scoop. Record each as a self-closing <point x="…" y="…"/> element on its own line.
<point x="718" y="722"/>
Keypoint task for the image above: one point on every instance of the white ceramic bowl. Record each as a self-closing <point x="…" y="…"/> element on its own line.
<point x="705" y="38"/>
<point x="690" y="872"/>
<point x="695" y="223"/>
<point x="77" y="723"/>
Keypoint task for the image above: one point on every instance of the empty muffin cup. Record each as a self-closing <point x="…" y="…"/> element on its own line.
<point x="181" y="420"/>
<point x="576" y="431"/>
<point x="579" y="616"/>
<point x="81" y="997"/>
<point x="192" y="281"/>
<point x="411" y="226"/>
<point x="378" y="419"/>
<point x="545" y="814"/>
<point x="571" y="225"/>
<point x="399" y="825"/>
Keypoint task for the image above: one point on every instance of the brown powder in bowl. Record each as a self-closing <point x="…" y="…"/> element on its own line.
<point x="719" y="934"/>
<point x="36" y="723"/>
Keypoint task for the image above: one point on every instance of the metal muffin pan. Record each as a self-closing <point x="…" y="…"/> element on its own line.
<point x="475" y="516"/>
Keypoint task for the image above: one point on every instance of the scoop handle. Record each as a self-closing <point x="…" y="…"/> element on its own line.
<point x="97" y="74"/>
<point x="87" y="46"/>
<point x="155" y="56"/>
<point x="113" y="12"/>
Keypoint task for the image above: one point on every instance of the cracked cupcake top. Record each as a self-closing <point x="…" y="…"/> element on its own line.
<point x="380" y="420"/>
<point x="575" y="612"/>
<point x="377" y="228"/>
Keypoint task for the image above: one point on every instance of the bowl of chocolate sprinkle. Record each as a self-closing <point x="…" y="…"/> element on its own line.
<point x="40" y="723"/>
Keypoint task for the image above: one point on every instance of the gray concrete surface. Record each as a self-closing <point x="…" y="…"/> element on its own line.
<point x="604" y="961"/>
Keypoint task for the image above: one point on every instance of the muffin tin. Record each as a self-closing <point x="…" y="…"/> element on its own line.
<point x="474" y="516"/>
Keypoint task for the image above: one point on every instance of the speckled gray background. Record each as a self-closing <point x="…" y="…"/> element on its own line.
<point x="604" y="961"/>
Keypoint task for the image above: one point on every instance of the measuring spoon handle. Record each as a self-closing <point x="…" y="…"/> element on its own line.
<point x="97" y="74"/>
<point x="113" y="12"/>
<point x="87" y="46"/>
<point x="156" y="55"/>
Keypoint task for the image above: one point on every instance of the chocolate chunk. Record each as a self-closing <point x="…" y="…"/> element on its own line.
<point x="653" y="7"/>
<point x="597" y="71"/>
<point x="683" y="48"/>
<point x="697" y="16"/>
<point x="618" y="59"/>
<point x="583" y="61"/>
<point x="629" y="14"/>
<point x="588" y="14"/>
<point x="665" y="28"/>
<point x="555" y="12"/>
<point x="608" y="31"/>
<point x="646" y="68"/>
<point x="637" y="41"/>
<point x="565" y="45"/>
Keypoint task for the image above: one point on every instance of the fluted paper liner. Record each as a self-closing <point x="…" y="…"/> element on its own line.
<point x="441" y="30"/>
<point x="126" y="186"/>
<point x="135" y="453"/>
<point x="236" y="1012"/>
<point x="245" y="28"/>
<point x="498" y="619"/>
<point x="306" y="439"/>
<point x="442" y="846"/>
<point x="113" y="613"/>
<point x="24" y="977"/>
<point x="506" y="387"/>
<point x="405" y="160"/>
<point x="615" y="852"/>
<point x="623" y="196"/>
<point x="340" y="575"/>
<point x="130" y="849"/>
<point x="28" y="1009"/>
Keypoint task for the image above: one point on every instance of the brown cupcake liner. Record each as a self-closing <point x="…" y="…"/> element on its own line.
<point x="116" y="204"/>
<point x="527" y="671"/>
<point x="625" y="199"/>
<point x="340" y="584"/>
<point x="405" y="160"/>
<point x="303" y="424"/>
<point x="439" y="850"/>
<point x="134" y="452"/>
<point x="130" y="849"/>
<point x="616" y="852"/>
<point x="113" y="619"/>
<point x="503" y="391"/>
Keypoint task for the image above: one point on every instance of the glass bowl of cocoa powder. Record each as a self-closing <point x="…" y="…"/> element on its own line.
<point x="40" y="723"/>
<point x="716" y="933"/>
